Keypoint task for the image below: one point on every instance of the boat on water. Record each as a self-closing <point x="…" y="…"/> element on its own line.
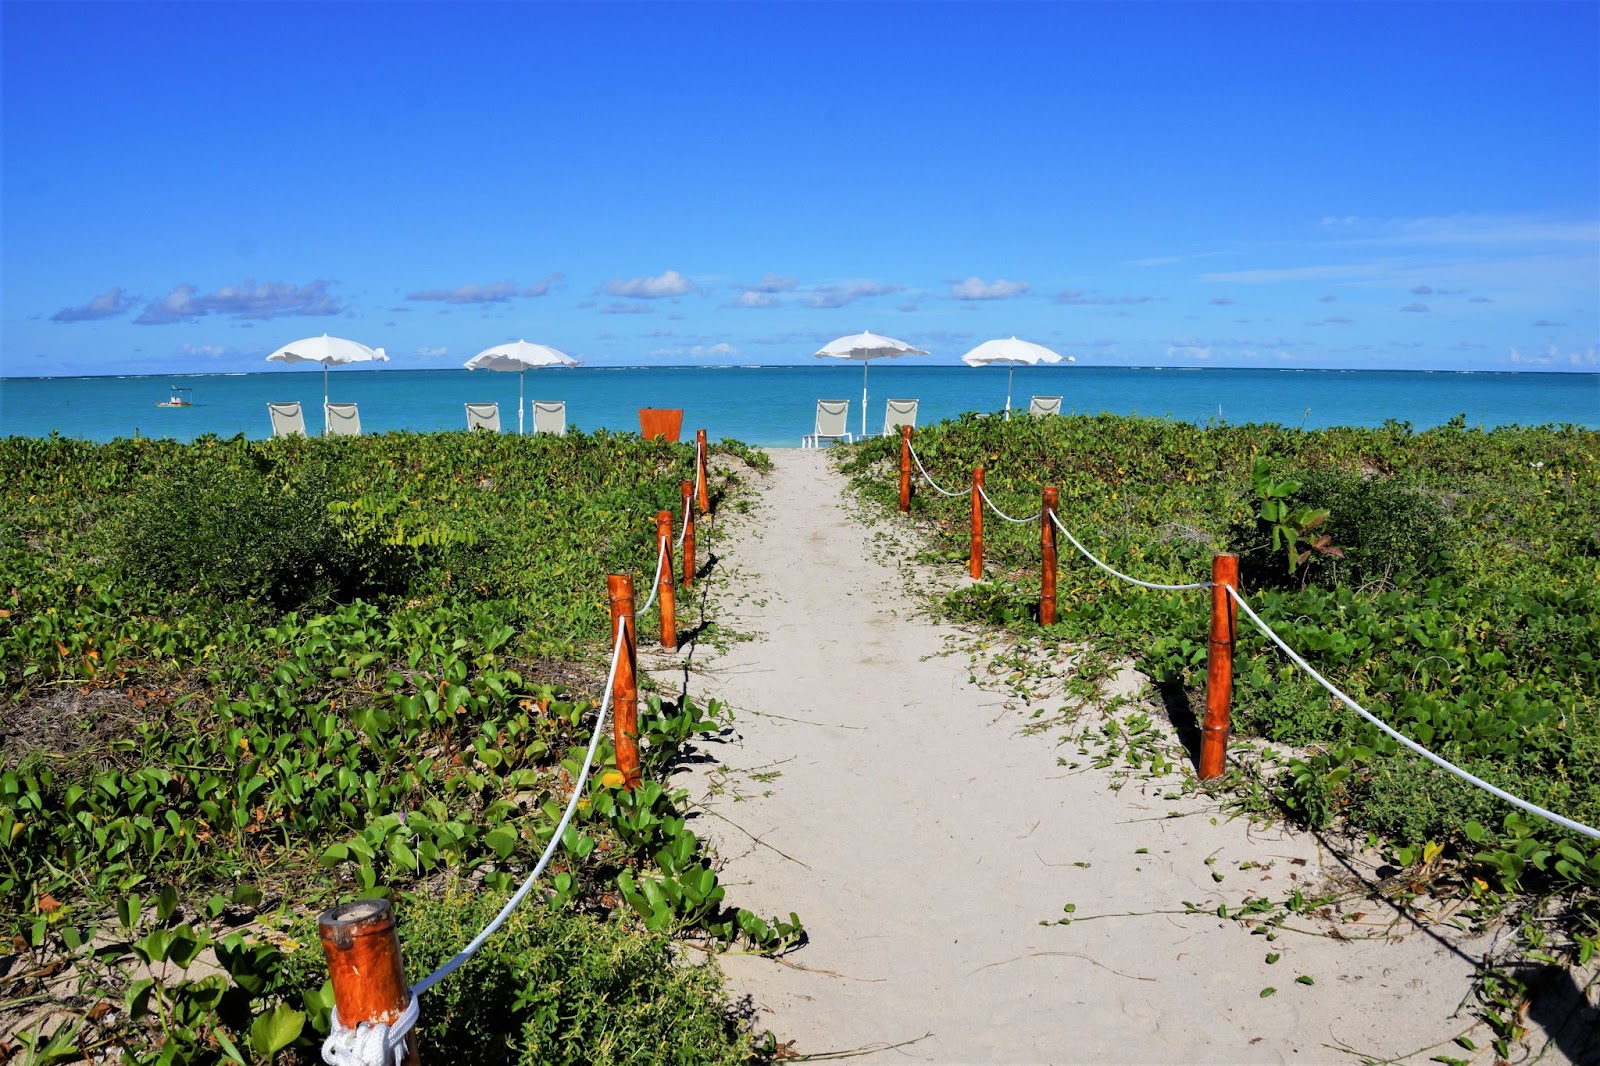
<point x="179" y="398"/>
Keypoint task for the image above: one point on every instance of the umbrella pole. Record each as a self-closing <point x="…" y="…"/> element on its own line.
<point x="520" y="404"/>
<point x="865" y="363"/>
<point x="1010" y="370"/>
<point x="324" y="399"/>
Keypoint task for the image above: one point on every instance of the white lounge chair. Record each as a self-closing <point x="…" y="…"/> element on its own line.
<point x="344" y="420"/>
<point x="899" y="413"/>
<point x="833" y="417"/>
<point x="1040" y="406"/>
<point x="550" y="416"/>
<point x="483" y="416"/>
<point x="287" y="419"/>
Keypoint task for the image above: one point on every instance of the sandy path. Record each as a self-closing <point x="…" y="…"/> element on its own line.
<point x="923" y="839"/>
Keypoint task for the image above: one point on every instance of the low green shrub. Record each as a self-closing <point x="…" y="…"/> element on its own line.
<point x="247" y="532"/>
<point x="1465" y="611"/>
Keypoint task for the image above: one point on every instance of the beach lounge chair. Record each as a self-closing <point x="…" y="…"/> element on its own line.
<point x="550" y="416"/>
<point x="343" y="420"/>
<point x="287" y="419"/>
<point x="483" y="416"/>
<point x="1040" y="406"/>
<point x="899" y="413"/>
<point x="832" y="418"/>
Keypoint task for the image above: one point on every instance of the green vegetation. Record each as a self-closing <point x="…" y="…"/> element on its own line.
<point x="242" y="679"/>
<point x="1448" y="580"/>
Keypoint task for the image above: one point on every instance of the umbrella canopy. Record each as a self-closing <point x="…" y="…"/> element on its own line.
<point x="520" y="356"/>
<point x="1012" y="353"/>
<point x="866" y="347"/>
<point x="329" y="351"/>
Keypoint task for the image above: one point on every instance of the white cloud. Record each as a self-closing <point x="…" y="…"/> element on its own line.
<point x="772" y="283"/>
<point x="721" y="348"/>
<point x="429" y="353"/>
<point x="826" y="297"/>
<point x="756" y="298"/>
<point x="269" y="299"/>
<point x="1321" y="272"/>
<point x="1079" y="297"/>
<point x="493" y="293"/>
<point x="671" y="283"/>
<point x="626" y="309"/>
<point x="108" y="304"/>
<point x="1189" y="348"/>
<point x="1554" y="356"/>
<point x="1467" y="230"/>
<point x="975" y="288"/>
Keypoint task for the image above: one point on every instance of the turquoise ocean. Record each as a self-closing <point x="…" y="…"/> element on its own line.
<point x="774" y="406"/>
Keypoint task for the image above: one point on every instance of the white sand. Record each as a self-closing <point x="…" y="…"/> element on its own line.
<point x="923" y="838"/>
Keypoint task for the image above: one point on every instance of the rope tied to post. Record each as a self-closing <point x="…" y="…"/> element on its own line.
<point x="929" y="477"/>
<point x="376" y="1044"/>
<point x="1117" y="573"/>
<point x="1407" y="742"/>
<point x="371" y="1043"/>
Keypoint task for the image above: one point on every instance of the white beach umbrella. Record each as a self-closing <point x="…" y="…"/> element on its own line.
<point x="866" y="347"/>
<point x="520" y="356"/>
<point x="1012" y="353"/>
<point x="329" y="351"/>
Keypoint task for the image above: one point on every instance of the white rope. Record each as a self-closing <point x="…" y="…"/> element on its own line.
<point x="1144" y="584"/>
<point x="684" y="531"/>
<point x="572" y="805"/>
<point x="1019" y="521"/>
<point x="929" y="477"/>
<point x="655" y="582"/>
<point x="1576" y="827"/>
<point x="370" y="1044"/>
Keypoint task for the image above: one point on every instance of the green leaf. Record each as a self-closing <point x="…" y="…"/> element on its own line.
<point x="503" y="841"/>
<point x="276" y="1029"/>
<point x="128" y="908"/>
<point x="1304" y="980"/>
<point x="403" y="855"/>
<point x="1268" y="991"/>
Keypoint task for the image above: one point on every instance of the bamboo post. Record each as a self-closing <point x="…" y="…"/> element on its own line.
<point x="975" y="561"/>
<point x="905" y="469"/>
<point x="363" y="953"/>
<point x="669" y="617"/>
<point x="700" y="470"/>
<point x="688" y="534"/>
<point x="1047" y="551"/>
<point x="1219" y="666"/>
<point x="624" y="687"/>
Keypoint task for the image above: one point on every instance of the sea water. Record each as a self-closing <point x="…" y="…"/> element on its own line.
<point x="775" y="406"/>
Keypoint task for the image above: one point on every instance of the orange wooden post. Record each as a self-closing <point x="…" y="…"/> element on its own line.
<point x="700" y="469"/>
<point x="975" y="561"/>
<point x="669" y="617"/>
<point x="1219" y="666"/>
<point x="363" y="953"/>
<point x="1047" y="550"/>
<point x="905" y="469"/>
<point x="688" y="534"/>
<point x="624" y="687"/>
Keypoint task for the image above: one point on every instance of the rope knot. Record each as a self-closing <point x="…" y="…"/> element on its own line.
<point x="370" y="1043"/>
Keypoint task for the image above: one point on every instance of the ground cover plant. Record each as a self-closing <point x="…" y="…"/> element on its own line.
<point x="243" y="679"/>
<point x="1449" y="580"/>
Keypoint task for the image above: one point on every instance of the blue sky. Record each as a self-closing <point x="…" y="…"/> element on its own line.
<point x="188" y="186"/>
